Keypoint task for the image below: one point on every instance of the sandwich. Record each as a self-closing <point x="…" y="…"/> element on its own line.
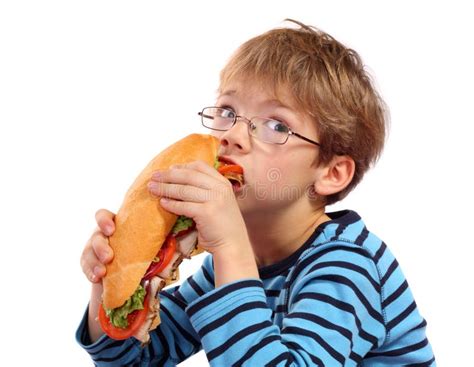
<point x="149" y="243"/>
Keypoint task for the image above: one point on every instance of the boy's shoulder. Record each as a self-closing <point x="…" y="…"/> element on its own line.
<point x="345" y="259"/>
<point x="347" y="229"/>
<point x="346" y="241"/>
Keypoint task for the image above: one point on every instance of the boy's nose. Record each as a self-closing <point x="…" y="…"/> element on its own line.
<point x="237" y="136"/>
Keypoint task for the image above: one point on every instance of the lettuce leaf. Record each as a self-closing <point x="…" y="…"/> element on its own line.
<point x="181" y="224"/>
<point x="217" y="164"/>
<point x="118" y="316"/>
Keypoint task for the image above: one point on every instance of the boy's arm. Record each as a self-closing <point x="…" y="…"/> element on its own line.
<point x="333" y="316"/>
<point x="173" y="341"/>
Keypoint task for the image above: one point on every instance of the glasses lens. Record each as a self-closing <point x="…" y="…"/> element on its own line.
<point x="217" y="118"/>
<point x="269" y="130"/>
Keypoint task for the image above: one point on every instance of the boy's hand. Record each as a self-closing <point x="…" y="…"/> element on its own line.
<point x="198" y="191"/>
<point x="97" y="252"/>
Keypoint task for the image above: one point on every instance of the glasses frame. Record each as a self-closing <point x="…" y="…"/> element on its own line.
<point x="250" y="123"/>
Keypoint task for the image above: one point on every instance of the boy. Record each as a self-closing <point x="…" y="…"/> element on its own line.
<point x="285" y="283"/>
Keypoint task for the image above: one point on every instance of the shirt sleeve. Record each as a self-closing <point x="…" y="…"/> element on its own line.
<point x="332" y="316"/>
<point x="173" y="341"/>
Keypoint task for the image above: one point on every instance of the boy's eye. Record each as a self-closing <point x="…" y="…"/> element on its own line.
<point x="227" y="112"/>
<point x="277" y="126"/>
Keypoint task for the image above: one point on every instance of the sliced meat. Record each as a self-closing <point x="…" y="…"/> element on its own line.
<point x="187" y="243"/>
<point x="173" y="264"/>
<point x="153" y="318"/>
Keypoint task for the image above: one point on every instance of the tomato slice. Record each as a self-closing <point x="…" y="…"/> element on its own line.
<point x="233" y="172"/>
<point x="135" y="320"/>
<point x="234" y="168"/>
<point x="165" y="255"/>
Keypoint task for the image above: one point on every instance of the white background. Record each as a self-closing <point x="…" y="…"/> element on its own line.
<point x="90" y="91"/>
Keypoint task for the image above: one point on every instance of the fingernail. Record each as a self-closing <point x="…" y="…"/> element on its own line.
<point x="104" y="257"/>
<point x="152" y="185"/>
<point x="92" y="277"/>
<point x="156" y="175"/>
<point x="97" y="271"/>
<point x="108" y="229"/>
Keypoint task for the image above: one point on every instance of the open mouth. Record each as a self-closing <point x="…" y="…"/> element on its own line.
<point x="236" y="181"/>
<point x="232" y="171"/>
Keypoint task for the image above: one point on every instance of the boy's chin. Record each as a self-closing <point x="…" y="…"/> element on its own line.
<point x="249" y="203"/>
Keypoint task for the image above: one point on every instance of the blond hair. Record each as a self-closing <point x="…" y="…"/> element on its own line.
<point x="327" y="81"/>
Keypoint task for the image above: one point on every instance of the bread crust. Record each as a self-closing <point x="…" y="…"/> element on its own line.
<point x="141" y="224"/>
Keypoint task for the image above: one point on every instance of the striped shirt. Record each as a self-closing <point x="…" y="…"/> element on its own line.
<point x="340" y="300"/>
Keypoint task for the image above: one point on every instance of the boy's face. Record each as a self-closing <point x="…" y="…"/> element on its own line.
<point x="276" y="176"/>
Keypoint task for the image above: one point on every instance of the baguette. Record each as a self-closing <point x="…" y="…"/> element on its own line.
<point x="142" y="225"/>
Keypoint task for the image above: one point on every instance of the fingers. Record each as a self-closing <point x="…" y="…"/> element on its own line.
<point x="191" y="182"/>
<point x="187" y="209"/>
<point x="200" y="166"/>
<point x="183" y="175"/>
<point x="101" y="248"/>
<point x="97" y="252"/>
<point x="180" y="192"/>
<point x="105" y="221"/>
<point x="91" y="265"/>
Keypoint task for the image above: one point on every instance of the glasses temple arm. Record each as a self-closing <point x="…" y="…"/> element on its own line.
<point x="305" y="139"/>
<point x="206" y="116"/>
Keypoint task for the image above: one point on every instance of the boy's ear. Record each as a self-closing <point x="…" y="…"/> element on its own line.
<point x="334" y="176"/>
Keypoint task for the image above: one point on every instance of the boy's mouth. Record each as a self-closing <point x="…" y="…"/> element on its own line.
<point x="225" y="160"/>
<point x="232" y="171"/>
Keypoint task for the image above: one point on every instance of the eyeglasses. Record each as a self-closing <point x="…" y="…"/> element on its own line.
<point x="265" y="129"/>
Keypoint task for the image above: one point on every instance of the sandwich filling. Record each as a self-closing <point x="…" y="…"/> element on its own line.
<point x="233" y="172"/>
<point x="180" y="244"/>
<point x="119" y="317"/>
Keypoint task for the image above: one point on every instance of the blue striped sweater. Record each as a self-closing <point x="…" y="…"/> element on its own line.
<point x="340" y="300"/>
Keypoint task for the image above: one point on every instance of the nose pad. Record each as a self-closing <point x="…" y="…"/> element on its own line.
<point x="252" y="127"/>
